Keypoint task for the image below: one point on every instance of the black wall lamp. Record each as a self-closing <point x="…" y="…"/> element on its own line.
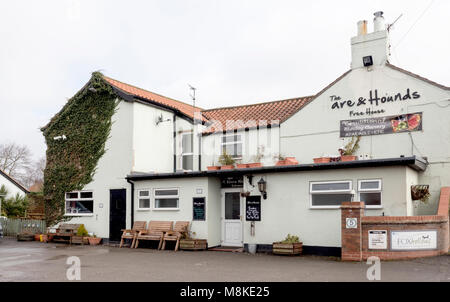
<point x="262" y="184"/>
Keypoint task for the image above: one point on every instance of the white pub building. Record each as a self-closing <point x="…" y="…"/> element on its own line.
<point x="162" y="157"/>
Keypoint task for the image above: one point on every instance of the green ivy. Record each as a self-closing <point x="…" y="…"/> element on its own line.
<point x="86" y="121"/>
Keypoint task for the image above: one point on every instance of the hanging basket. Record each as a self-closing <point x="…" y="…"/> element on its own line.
<point x="418" y="192"/>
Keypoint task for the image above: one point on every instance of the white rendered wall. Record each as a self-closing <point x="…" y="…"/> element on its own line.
<point x="12" y="188"/>
<point x="314" y="130"/>
<point x="287" y="207"/>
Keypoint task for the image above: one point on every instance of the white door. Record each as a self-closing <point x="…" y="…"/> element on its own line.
<point x="231" y="218"/>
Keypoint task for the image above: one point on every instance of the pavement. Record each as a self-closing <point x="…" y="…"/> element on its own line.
<point x="37" y="261"/>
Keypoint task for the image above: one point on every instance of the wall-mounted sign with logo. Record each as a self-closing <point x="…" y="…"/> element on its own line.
<point x="253" y="208"/>
<point x="382" y="125"/>
<point x="232" y="182"/>
<point x="378" y="240"/>
<point x="351" y="223"/>
<point x="414" y="240"/>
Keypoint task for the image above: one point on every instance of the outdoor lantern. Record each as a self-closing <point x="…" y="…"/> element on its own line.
<point x="367" y="61"/>
<point x="262" y="187"/>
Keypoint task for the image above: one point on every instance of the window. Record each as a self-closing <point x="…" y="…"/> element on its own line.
<point x="144" y="199"/>
<point x="79" y="203"/>
<point x="187" y="151"/>
<point x="330" y="194"/>
<point x="370" y="192"/>
<point x="232" y="145"/>
<point x="166" y="199"/>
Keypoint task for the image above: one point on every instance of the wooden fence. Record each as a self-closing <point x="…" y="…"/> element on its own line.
<point x="14" y="226"/>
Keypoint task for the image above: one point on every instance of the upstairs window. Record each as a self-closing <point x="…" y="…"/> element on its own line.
<point x="187" y="151"/>
<point x="330" y="194"/>
<point x="79" y="203"/>
<point x="232" y="145"/>
<point x="370" y="192"/>
<point x="167" y="199"/>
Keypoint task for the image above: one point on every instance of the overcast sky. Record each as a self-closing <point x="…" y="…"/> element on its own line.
<point x="234" y="52"/>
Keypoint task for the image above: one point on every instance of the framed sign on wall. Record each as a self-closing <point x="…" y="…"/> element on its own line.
<point x="253" y="208"/>
<point x="198" y="207"/>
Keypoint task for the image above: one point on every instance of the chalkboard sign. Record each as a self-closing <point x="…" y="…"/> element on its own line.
<point x="199" y="208"/>
<point x="253" y="208"/>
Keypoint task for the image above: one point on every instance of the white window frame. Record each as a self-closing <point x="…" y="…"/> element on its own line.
<point x="139" y="199"/>
<point x="311" y="192"/>
<point x="240" y="141"/>
<point x="187" y="153"/>
<point x="165" y="197"/>
<point x="77" y="199"/>
<point x="377" y="190"/>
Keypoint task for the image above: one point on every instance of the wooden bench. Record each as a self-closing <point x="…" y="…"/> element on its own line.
<point x="65" y="232"/>
<point x="155" y="231"/>
<point x="181" y="228"/>
<point x="133" y="232"/>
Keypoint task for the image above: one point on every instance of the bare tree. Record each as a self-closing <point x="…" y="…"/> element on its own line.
<point x="14" y="159"/>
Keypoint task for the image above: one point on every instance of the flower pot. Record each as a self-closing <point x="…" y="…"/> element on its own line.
<point x="214" y="168"/>
<point x="37" y="237"/>
<point x="348" y="157"/>
<point x="242" y="166"/>
<point x="320" y="160"/>
<point x="287" y="162"/>
<point x="254" y="165"/>
<point x="94" y="240"/>
<point x="226" y="167"/>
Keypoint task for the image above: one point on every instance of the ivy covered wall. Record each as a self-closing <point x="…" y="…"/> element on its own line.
<point x="85" y="121"/>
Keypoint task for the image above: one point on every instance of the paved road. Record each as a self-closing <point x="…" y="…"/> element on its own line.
<point x="35" y="261"/>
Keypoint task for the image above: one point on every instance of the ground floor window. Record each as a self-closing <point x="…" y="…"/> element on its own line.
<point x="330" y="194"/>
<point x="166" y="199"/>
<point x="370" y="192"/>
<point x="79" y="203"/>
<point x="144" y="200"/>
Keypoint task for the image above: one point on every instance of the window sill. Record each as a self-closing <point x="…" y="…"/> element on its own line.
<point x="373" y="207"/>
<point x="166" y="209"/>
<point x="325" y="207"/>
<point x="79" y="214"/>
<point x="144" y="210"/>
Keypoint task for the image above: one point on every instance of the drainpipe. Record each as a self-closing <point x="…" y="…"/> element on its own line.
<point x="132" y="201"/>
<point x="174" y="143"/>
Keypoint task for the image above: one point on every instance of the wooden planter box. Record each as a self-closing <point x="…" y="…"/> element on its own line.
<point x="78" y="239"/>
<point x="287" y="162"/>
<point x="193" y="244"/>
<point x="280" y="248"/>
<point x="349" y="157"/>
<point x="320" y="160"/>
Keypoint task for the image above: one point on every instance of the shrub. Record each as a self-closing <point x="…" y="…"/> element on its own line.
<point x="82" y="231"/>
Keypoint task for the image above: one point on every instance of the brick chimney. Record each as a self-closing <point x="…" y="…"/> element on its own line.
<point x="374" y="44"/>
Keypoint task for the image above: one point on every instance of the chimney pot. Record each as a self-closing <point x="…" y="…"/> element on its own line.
<point x="362" y="27"/>
<point x="378" y="21"/>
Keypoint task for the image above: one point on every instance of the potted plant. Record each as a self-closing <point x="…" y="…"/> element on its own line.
<point x="226" y="160"/>
<point x="94" y="240"/>
<point x="82" y="236"/>
<point x="187" y="242"/>
<point x="285" y="161"/>
<point x="256" y="160"/>
<point x="291" y="245"/>
<point x="323" y="159"/>
<point x="347" y="152"/>
<point x="213" y="167"/>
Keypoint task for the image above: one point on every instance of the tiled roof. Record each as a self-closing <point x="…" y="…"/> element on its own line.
<point x="152" y="97"/>
<point x="250" y="116"/>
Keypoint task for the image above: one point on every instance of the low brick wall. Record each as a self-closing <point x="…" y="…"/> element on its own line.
<point x="356" y="227"/>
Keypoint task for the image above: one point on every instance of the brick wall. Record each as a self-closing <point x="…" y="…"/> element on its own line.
<point x="355" y="241"/>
